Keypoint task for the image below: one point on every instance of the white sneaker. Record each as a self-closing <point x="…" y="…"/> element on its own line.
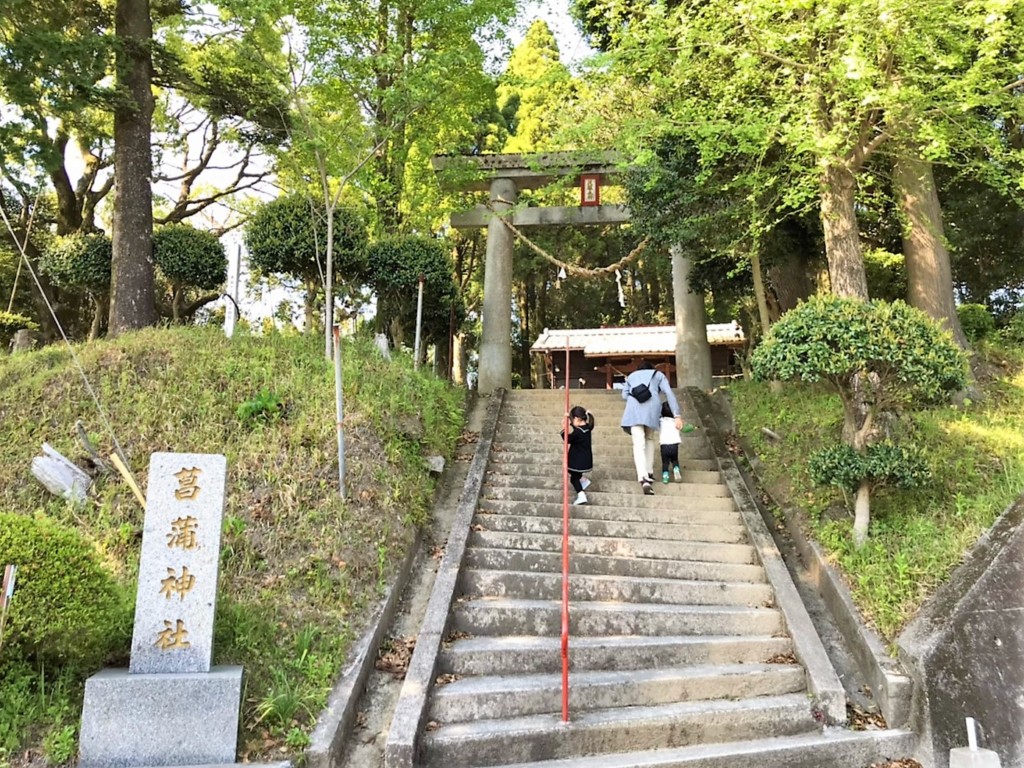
<point x="581" y="498"/>
<point x="585" y="483"/>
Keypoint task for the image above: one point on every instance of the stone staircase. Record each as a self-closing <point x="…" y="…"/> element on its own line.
<point x="679" y="653"/>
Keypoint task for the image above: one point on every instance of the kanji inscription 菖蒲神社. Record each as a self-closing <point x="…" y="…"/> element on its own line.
<point x="188" y="483"/>
<point x="178" y="569"/>
<point x="137" y="717"/>
<point x="183" y="533"/>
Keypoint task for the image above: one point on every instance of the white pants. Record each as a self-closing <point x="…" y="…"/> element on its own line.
<point x="645" y="440"/>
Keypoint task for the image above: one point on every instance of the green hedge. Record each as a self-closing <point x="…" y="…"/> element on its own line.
<point x="67" y="607"/>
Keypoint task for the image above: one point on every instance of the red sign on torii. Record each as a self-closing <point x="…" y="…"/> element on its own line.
<point x="590" y="189"/>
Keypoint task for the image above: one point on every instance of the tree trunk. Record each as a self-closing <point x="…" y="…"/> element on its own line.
<point x="862" y="514"/>
<point x="525" y="378"/>
<point x="842" y="236"/>
<point x="459" y="360"/>
<point x="309" y="305"/>
<point x="759" y="294"/>
<point x="789" y="283"/>
<point x="693" y="353"/>
<point x="132" y="303"/>
<point x="929" y="275"/>
<point x="98" y="302"/>
<point x="68" y="213"/>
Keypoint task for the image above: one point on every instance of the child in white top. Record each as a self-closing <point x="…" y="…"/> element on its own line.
<point x="670" y="440"/>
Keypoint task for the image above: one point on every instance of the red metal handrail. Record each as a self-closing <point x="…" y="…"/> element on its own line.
<point x="565" y="546"/>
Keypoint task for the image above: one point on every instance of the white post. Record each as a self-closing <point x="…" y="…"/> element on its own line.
<point x="972" y="756"/>
<point x="234" y="277"/>
<point x="339" y="407"/>
<point x="419" y="326"/>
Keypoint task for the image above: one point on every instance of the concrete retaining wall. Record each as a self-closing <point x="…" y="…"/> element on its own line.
<point x="965" y="650"/>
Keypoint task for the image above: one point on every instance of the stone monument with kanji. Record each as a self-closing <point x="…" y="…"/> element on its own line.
<point x="170" y="707"/>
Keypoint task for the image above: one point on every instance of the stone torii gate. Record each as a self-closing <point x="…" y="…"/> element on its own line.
<point x="503" y="176"/>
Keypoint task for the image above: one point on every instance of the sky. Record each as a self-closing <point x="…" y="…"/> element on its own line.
<point x="571" y="45"/>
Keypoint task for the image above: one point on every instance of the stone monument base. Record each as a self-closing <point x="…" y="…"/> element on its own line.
<point x="186" y="718"/>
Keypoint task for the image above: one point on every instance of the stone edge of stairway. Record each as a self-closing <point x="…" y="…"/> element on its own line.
<point x="400" y="749"/>
<point x="891" y="686"/>
<point x="822" y="680"/>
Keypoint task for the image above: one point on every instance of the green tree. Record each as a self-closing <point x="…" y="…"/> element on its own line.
<point x="533" y="91"/>
<point x="83" y="262"/>
<point x="879" y="356"/>
<point x="393" y="58"/>
<point x="95" y="56"/>
<point x="395" y="266"/>
<point x="189" y="258"/>
<point x="286" y="236"/>
<point x="829" y="84"/>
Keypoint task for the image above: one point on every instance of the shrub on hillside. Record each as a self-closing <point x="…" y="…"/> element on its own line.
<point x="976" y="321"/>
<point x="189" y="259"/>
<point x="1014" y="330"/>
<point x="880" y="357"/>
<point x="67" y="607"/>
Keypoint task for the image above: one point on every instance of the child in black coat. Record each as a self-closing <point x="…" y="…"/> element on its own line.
<point x="581" y="456"/>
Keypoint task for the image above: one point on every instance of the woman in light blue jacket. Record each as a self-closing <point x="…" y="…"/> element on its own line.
<point x="641" y="420"/>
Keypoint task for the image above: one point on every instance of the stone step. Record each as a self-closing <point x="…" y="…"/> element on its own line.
<point x="662" y="498"/>
<point x="546" y="432"/>
<point x="601" y="588"/>
<point x="605" y="472"/>
<point x="492" y="697"/>
<point x="646" y="568"/>
<point x="532" y="654"/>
<point x="496" y="742"/>
<point x="611" y="406"/>
<point x="638" y="514"/>
<point x="833" y="748"/>
<point x="612" y="547"/>
<point x="500" y="458"/>
<point x="553" y="481"/>
<point x="725" y="534"/>
<point x="620" y="452"/>
<point x="509" y="616"/>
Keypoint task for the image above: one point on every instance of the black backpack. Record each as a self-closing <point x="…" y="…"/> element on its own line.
<point x="642" y="392"/>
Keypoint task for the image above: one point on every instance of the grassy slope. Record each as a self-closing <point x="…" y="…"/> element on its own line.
<point x="299" y="567"/>
<point x="976" y="454"/>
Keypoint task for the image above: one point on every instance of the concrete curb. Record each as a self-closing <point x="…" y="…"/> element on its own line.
<point x="334" y="725"/>
<point x="401" y="748"/>
<point x="891" y="688"/>
<point x="336" y="720"/>
<point x="822" y="680"/>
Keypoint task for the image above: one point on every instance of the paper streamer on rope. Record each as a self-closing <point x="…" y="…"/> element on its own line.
<point x="618" y="286"/>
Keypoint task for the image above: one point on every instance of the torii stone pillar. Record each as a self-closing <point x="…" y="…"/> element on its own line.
<point x="504" y="176"/>
<point x="495" y="368"/>
<point x="693" y="353"/>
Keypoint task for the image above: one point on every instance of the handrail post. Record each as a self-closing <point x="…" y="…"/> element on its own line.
<point x="565" y="546"/>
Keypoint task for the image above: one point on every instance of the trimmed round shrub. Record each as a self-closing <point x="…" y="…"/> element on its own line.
<point x="67" y="607"/>
<point x="190" y="256"/>
<point x="884" y="464"/>
<point x="79" y="261"/>
<point x="976" y="321"/>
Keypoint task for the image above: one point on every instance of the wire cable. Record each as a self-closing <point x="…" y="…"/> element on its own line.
<point x="78" y="364"/>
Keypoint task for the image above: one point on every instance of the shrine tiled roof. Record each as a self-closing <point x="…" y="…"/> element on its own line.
<point x="630" y="341"/>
